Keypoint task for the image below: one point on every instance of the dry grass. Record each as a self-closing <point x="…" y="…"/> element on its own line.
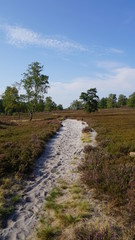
<point x="86" y="137"/>
<point x="72" y="214"/>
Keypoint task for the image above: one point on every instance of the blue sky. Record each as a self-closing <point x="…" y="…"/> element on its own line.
<point x="81" y="43"/>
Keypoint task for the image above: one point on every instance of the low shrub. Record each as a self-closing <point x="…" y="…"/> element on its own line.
<point x="106" y="233"/>
<point x="86" y="130"/>
<point x="21" y="143"/>
<point x="111" y="176"/>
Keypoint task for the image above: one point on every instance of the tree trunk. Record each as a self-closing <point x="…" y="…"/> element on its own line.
<point x="31" y="115"/>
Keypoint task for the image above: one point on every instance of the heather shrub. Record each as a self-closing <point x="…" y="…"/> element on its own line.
<point x="106" y="233"/>
<point x="21" y="143"/>
<point x="110" y="175"/>
<point x="86" y="130"/>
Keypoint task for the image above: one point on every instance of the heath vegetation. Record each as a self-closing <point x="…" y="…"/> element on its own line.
<point x="108" y="168"/>
<point x="21" y="143"/>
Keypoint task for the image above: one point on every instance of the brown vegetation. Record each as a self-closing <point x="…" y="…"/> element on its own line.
<point x="109" y="168"/>
<point x="21" y="143"/>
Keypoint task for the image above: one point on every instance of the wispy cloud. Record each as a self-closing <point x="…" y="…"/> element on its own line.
<point x="120" y="80"/>
<point x="101" y="51"/>
<point x="21" y="37"/>
<point x="115" y="50"/>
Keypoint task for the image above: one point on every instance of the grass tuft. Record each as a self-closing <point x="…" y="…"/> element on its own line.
<point x="48" y="233"/>
<point x="68" y="219"/>
<point x="86" y="137"/>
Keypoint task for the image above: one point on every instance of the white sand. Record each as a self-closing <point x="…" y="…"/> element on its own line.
<point x="54" y="163"/>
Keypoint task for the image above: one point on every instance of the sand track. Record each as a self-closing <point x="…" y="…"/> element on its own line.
<point x="54" y="163"/>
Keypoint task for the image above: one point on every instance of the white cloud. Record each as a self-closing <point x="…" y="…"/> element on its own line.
<point x="120" y="80"/>
<point x="20" y="37"/>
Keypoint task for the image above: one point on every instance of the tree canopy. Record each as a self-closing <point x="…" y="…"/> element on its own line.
<point x="49" y="104"/>
<point x="131" y="100"/>
<point x="35" y="85"/>
<point x="76" y="105"/>
<point x="10" y="100"/>
<point x="122" y="100"/>
<point x="90" y="100"/>
<point x="111" y="101"/>
<point x="102" y="103"/>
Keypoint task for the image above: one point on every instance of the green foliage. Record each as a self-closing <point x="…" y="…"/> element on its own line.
<point x="15" y="199"/>
<point x="49" y="104"/>
<point x="76" y="189"/>
<point x="10" y="100"/>
<point x="40" y="106"/>
<point x="51" y="200"/>
<point x="102" y="103"/>
<point x="8" y="200"/>
<point x="48" y="233"/>
<point x="59" y="107"/>
<point x="5" y="211"/>
<point x="131" y="100"/>
<point x="54" y="193"/>
<point x="68" y="219"/>
<point x="90" y="100"/>
<point x="35" y="85"/>
<point x="76" y="105"/>
<point x="84" y="206"/>
<point x="52" y="205"/>
<point x="122" y="100"/>
<point x="111" y="101"/>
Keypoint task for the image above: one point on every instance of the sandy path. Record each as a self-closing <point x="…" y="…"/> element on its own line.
<point x="54" y="163"/>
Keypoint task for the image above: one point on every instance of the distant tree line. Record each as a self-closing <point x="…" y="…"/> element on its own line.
<point x="90" y="102"/>
<point x="35" y="86"/>
<point x="112" y="101"/>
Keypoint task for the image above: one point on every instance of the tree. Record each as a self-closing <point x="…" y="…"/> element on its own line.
<point x="76" y="105"/>
<point x="35" y="85"/>
<point x="131" y="100"/>
<point x="10" y="100"/>
<point x="23" y="104"/>
<point x="102" y="103"/>
<point x="122" y="100"/>
<point x="59" y="107"/>
<point x="111" y="101"/>
<point x="41" y="105"/>
<point x="90" y="100"/>
<point x="49" y="104"/>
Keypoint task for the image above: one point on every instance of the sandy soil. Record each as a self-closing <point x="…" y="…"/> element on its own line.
<point x="54" y="163"/>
